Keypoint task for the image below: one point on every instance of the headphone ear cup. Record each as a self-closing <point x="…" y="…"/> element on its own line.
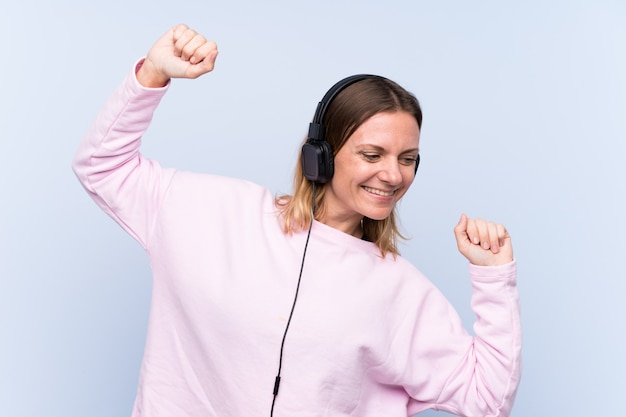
<point x="329" y="162"/>
<point x="317" y="161"/>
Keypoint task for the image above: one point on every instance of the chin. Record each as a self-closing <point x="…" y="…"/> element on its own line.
<point x="377" y="215"/>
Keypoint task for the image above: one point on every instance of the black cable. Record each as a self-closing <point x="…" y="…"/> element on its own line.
<point x="293" y="306"/>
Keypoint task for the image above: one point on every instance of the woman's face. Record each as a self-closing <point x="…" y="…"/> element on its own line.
<point x="373" y="170"/>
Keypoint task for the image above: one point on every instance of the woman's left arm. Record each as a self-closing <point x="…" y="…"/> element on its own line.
<point x="453" y="371"/>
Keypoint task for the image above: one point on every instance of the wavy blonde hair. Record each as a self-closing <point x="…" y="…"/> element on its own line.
<point x="349" y="110"/>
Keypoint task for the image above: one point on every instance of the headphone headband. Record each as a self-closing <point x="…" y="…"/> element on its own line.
<point x="317" y="131"/>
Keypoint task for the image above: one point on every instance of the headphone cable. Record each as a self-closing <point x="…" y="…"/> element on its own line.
<point x="293" y="306"/>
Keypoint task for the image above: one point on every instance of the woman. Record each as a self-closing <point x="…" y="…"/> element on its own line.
<point x="301" y="305"/>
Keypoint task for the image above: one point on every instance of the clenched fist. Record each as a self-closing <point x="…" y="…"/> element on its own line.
<point x="483" y="243"/>
<point x="180" y="53"/>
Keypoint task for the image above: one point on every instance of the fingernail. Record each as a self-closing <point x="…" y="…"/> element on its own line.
<point x="476" y="240"/>
<point x="485" y="245"/>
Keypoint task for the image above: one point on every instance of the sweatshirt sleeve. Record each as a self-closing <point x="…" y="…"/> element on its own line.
<point x="450" y="370"/>
<point x="108" y="163"/>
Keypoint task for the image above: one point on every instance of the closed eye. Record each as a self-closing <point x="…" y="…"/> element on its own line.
<point x="371" y="157"/>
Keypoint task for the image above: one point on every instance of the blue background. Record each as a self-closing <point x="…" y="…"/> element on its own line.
<point x="524" y="123"/>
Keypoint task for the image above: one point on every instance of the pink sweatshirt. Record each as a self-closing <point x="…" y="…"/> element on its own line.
<point x="369" y="336"/>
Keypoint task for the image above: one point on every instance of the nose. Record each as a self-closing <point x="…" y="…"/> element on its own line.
<point x="391" y="172"/>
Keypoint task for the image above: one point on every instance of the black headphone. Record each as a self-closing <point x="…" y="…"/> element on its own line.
<point x="317" y="155"/>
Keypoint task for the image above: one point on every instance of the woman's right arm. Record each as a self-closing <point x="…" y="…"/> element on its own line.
<point x="108" y="162"/>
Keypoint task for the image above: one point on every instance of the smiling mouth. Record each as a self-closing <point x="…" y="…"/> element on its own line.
<point x="379" y="192"/>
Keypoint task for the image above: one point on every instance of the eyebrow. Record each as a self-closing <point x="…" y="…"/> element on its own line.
<point x="381" y="149"/>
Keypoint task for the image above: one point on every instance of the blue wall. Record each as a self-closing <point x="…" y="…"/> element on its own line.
<point x="525" y="109"/>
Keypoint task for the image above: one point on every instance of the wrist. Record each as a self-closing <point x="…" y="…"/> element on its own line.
<point x="148" y="76"/>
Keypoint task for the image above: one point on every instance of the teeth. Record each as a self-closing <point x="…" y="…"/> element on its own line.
<point x="379" y="192"/>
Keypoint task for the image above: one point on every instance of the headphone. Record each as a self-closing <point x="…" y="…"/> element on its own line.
<point x="318" y="163"/>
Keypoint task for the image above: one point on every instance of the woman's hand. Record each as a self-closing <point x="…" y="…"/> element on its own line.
<point x="483" y="243"/>
<point x="180" y="53"/>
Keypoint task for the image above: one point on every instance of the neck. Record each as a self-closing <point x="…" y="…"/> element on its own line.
<point x="350" y="227"/>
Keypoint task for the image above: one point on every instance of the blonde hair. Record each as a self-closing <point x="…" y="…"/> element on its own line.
<point x="349" y="110"/>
